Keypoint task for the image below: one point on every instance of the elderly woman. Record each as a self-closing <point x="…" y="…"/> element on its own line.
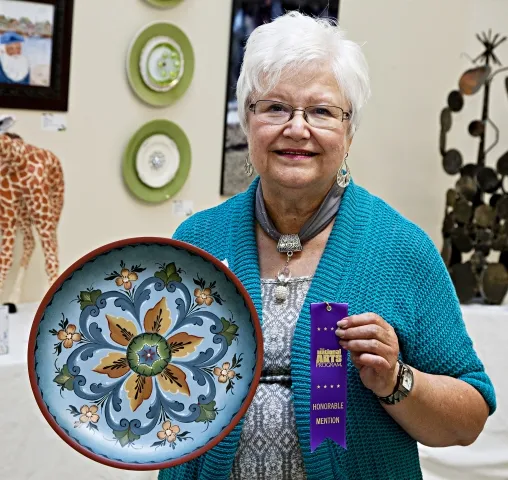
<point x="413" y="375"/>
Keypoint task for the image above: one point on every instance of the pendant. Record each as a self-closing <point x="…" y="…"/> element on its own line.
<point x="282" y="290"/>
<point x="289" y="243"/>
<point x="281" y="293"/>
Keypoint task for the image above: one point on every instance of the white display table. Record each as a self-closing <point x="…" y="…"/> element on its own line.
<point x="30" y="449"/>
<point x="487" y="458"/>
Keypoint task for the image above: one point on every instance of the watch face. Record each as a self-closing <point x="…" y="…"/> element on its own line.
<point x="407" y="380"/>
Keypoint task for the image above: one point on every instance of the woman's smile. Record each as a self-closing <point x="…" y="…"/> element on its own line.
<point x="295" y="153"/>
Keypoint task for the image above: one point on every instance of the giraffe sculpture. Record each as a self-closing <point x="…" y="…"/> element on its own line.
<point x="31" y="196"/>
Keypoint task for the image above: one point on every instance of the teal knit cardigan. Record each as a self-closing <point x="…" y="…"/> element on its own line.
<point x="374" y="260"/>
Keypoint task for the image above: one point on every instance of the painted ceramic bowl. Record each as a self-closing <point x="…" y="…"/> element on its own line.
<point x="145" y="353"/>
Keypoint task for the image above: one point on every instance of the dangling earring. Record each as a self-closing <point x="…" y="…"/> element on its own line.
<point x="248" y="166"/>
<point x="344" y="178"/>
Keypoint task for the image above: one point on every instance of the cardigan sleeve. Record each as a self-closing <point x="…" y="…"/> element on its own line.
<point x="440" y="342"/>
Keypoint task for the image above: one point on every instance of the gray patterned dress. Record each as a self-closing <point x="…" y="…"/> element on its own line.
<point x="269" y="447"/>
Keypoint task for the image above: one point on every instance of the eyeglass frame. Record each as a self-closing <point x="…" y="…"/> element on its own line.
<point x="345" y="115"/>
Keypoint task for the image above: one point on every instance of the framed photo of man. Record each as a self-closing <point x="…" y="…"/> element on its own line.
<point x="35" y="49"/>
<point x="246" y="16"/>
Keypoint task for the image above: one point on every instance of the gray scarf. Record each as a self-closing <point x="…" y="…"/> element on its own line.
<point x="314" y="225"/>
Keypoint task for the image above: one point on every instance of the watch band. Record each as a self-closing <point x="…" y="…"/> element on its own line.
<point x="397" y="395"/>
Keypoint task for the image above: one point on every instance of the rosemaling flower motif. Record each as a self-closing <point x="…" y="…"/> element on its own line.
<point x="89" y="414"/>
<point x="69" y="336"/>
<point x="147" y="357"/>
<point x="126" y="278"/>
<point x="224" y="373"/>
<point x="168" y="432"/>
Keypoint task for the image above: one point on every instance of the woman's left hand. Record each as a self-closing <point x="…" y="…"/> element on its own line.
<point x="374" y="349"/>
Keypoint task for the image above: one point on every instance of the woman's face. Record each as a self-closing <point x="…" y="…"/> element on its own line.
<point x="280" y="153"/>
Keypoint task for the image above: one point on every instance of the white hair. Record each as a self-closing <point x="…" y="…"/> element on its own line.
<point x="294" y="42"/>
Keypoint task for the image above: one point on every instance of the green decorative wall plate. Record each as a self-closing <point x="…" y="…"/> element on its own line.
<point x="160" y="64"/>
<point x="156" y="162"/>
<point x="164" y="3"/>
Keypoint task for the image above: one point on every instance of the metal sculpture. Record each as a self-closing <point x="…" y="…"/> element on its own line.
<point x="31" y="196"/>
<point x="475" y="226"/>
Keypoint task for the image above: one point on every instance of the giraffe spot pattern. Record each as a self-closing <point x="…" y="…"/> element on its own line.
<point x="31" y="195"/>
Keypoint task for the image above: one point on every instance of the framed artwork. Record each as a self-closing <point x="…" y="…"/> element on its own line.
<point x="245" y="17"/>
<point x="35" y="50"/>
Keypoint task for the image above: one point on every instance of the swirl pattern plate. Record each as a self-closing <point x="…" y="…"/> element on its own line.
<point x="160" y="63"/>
<point x="145" y="353"/>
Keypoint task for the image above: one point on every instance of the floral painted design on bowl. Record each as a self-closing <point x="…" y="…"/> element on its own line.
<point x="145" y="353"/>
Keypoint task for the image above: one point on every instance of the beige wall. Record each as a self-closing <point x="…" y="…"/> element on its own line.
<point x="414" y="52"/>
<point x="104" y="113"/>
<point x="413" y="48"/>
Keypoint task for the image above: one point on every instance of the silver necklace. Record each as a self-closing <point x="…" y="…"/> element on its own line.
<point x="291" y="243"/>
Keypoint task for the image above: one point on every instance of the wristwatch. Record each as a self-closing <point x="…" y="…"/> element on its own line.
<point x="403" y="386"/>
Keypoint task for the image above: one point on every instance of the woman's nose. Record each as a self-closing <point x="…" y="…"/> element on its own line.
<point x="297" y="127"/>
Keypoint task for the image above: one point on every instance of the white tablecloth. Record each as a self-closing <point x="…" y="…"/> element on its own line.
<point x="487" y="458"/>
<point x="31" y="450"/>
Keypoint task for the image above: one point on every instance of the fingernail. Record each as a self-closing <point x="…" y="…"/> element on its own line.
<point x="342" y="323"/>
<point x="343" y="344"/>
<point x="340" y="332"/>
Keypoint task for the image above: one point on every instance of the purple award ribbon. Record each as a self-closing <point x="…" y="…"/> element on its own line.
<point x="328" y="375"/>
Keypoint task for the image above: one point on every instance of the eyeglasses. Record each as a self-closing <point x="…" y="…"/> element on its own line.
<point x="318" y="116"/>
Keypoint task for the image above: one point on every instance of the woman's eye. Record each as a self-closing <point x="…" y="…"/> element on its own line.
<point x="276" y="108"/>
<point x="322" y="111"/>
